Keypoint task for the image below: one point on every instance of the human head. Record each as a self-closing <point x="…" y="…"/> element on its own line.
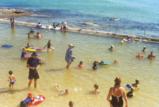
<point x="34" y="54"/>
<point x="151" y="53"/>
<point x="70" y="103"/>
<point x="81" y="62"/>
<point x="66" y="91"/>
<point x="117" y="81"/>
<point x="10" y="72"/>
<point x="137" y="82"/>
<point x="30" y="94"/>
<point x="96" y="86"/>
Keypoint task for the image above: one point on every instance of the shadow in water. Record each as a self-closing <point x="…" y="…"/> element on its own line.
<point x="55" y="69"/>
<point x="11" y="91"/>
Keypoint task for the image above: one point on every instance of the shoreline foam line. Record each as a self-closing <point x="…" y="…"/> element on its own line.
<point x="91" y="32"/>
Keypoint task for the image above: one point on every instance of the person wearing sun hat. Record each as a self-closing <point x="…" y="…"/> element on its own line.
<point x="32" y="63"/>
<point x="68" y="56"/>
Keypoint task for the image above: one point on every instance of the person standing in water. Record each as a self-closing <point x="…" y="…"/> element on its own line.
<point x="117" y="94"/>
<point x="49" y="46"/>
<point x="12" y="79"/>
<point x="68" y="56"/>
<point x="12" y="22"/>
<point x="33" y="63"/>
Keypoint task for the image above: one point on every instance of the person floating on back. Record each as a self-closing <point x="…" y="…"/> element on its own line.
<point x="12" y="79"/>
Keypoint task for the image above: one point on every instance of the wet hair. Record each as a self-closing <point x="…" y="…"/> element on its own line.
<point x="70" y="103"/>
<point x="96" y="86"/>
<point x="137" y="81"/>
<point x="10" y="72"/>
<point x="81" y="62"/>
<point x="117" y="81"/>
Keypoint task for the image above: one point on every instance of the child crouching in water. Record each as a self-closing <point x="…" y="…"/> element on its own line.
<point x="80" y="65"/>
<point x="12" y="79"/>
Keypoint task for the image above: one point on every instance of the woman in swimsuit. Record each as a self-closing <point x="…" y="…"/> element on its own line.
<point x="117" y="94"/>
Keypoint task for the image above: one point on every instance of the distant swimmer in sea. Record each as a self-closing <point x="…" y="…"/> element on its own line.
<point x="39" y="25"/>
<point x="38" y="35"/>
<point x="144" y="49"/>
<point x="112" y="48"/>
<point x="70" y="103"/>
<point x="117" y="94"/>
<point x="12" y="79"/>
<point x="31" y="33"/>
<point x="151" y="56"/>
<point x="96" y="90"/>
<point x="69" y="58"/>
<point x="49" y="46"/>
<point x="95" y="65"/>
<point x="80" y="65"/>
<point x="140" y="56"/>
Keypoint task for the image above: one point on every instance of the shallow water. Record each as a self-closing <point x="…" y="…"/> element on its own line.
<point x="79" y="82"/>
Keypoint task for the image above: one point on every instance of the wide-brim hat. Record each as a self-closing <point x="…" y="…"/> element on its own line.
<point x="71" y="45"/>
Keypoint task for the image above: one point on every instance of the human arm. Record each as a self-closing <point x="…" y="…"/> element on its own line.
<point x="109" y="95"/>
<point x="125" y="98"/>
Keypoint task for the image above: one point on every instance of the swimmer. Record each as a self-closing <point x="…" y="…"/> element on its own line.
<point x="38" y="35"/>
<point x="151" y="56"/>
<point x="111" y="48"/>
<point x="96" y="90"/>
<point x="49" y="46"/>
<point x="115" y="62"/>
<point x="95" y="65"/>
<point x="144" y="49"/>
<point x="80" y="65"/>
<point x="23" y="53"/>
<point x="136" y="84"/>
<point x="39" y="25"/>
<point x="12" y="79"/>
<point x="28" y="45"/>
<point x="131" y="88"/>
<point x="63" y="92"/>
<point x="140" y="56"/>
<point x="28" y="100"/>
<point x="70" y="103"/>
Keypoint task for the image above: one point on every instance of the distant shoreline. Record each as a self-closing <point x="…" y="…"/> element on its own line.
<point x="8" y="12"/>
<point x="5" y="14"/>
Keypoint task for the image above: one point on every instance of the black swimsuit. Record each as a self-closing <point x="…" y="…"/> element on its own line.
<point x="117" y="101"/>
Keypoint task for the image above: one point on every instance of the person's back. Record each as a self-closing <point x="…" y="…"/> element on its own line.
<point x="117" y="94"/>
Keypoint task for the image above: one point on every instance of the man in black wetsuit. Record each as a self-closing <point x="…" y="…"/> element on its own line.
<point x="32" y="63"/>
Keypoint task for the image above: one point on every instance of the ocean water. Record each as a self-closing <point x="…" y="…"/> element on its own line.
<point x="138" y="17"/>
<point x="110" y="15"/>
<point x="79" y="82"/>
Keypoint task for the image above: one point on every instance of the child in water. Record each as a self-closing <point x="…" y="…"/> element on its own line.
<point x="12" y="79"/>
<point x="70" y="103"/>
<point x="96" y="90"/>
<point x="80" y="65"/>
<point x="95" y="65"/>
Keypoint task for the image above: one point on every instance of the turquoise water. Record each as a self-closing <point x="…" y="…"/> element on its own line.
<point x="134" y="17"/>
<point x="79" y="82"/>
